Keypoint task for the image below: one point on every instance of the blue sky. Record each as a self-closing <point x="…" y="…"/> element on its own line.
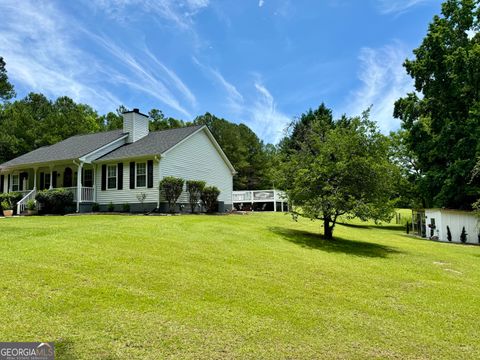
<point x="260" y="62"/>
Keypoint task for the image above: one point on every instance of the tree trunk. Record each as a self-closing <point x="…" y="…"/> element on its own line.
<point x="327" y="229"/>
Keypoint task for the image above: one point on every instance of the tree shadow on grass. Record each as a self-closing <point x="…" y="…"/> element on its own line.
<point x="311" y="240"/>
<point x="370" y="226"/>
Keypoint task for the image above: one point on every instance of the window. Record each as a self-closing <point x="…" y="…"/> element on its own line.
<point x="47" y="181"/>
<point x="141" y="174"/>
<point x="88" y="178"/>
<point x="112" y="176"/>
<point x="15" y="183"/>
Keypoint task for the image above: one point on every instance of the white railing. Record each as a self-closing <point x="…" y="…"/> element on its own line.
<point x="258" y="196"/>
<point x="22" y="204"/>
<point x="86" y="193"/>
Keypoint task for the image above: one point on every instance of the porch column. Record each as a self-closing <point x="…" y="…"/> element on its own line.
<point x="95" y="183"/>
<point x="274" y="201"/>
<point x="79" y="185"/>
<point x="51" y="178"/>
<point x="35" y="178"/>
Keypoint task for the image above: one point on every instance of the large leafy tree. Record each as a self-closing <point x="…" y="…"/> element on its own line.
<point x="6" y="88"/>
<point x="334" y="168"/>
<point x="408" y="194"/>
<point x="442" y="119"/>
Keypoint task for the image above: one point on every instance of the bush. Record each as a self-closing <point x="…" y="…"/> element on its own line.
<point x="172" y="187"/>
<point x="194" y="188"/>
<point x="6" y="205"/>
<point x="31" y="205"/>
<point x="11" y="198"/>
<point x="463" y="236"/>
<point x="95" y="207"/>
<point x="449" y="234"/>
<point x="55" y="201"/>
<point x="111" y="208"/>
<point x="210" y="197"/>
<point x="126" y="207"/>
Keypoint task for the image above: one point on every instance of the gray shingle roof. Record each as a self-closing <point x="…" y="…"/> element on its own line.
<point x="68" y="149"/>
<point x="155" y="143"/>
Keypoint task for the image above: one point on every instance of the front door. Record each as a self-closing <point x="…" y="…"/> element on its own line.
<point x="67" y="177"/>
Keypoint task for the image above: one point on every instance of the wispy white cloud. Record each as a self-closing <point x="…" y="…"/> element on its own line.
<point x="173" y="78"/>
<point x="138" y="75"/>
<point x="383" y="81"/>
<point x="234" y="99"/>
<point x="42" y="55"/>
<point x="398" y="6"/>
<point x="258" y="110"/>
<point x="178" y="12"/>
<point x="261" y="3"/>
<point x="267" y="121"/>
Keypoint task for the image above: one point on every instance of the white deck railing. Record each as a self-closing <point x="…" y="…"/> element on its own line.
<point x="258" y="196"/>
<point x="22" y="204"/>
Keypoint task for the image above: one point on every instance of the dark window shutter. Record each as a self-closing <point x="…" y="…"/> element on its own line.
<point x="120" y="176"/>
<point x="42" y="181"/>
<point x="104" y="177"/>
<point x="54" y="179"/>
<point x="132" y="175"/>
<point x="8" y="183"/>
<point x="150" y="173"/>
<point x="2" y="180"/>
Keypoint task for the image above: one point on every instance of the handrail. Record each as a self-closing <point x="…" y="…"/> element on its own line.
<point x="22" y="204"/>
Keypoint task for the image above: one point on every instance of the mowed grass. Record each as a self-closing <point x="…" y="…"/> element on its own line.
<point x="221" y="287"/>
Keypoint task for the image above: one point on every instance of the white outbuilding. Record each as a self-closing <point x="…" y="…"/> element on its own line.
<point x="437" y="223"/>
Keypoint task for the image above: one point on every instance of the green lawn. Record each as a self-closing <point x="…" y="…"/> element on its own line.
<point x="256" y="286"/>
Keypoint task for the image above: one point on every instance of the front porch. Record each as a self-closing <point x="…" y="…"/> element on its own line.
<point x="28" y="181"/>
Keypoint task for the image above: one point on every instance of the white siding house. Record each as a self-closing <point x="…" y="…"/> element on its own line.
<point x="117" y="167"/>
<point x="196" y="159"/>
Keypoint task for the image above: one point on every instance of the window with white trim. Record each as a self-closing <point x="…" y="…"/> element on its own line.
<point x="141" y="174"/>
<point x="112" y="176"/>
<point x="15" y="183"/>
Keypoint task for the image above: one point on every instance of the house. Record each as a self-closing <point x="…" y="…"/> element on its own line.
<point x="433" y="223"/>
<point x="116" y="166"/>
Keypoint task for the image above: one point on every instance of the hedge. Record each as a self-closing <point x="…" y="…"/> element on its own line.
<point x="55" y="201"/>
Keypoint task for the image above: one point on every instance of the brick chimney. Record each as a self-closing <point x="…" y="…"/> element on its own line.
<point x="135" y="124"/>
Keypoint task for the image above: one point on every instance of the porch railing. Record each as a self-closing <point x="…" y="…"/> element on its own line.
<point x="258" y="196"/>
<point x="86" y="193"/>
<point x="22" y="204"/>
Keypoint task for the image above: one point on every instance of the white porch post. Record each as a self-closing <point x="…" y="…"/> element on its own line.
<point x="79" y="185"/>
<point x="51" y="178"/>
<point x="35" y="178"/>
<point x="95" y="183"/>
<point x="274" y="201"/>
